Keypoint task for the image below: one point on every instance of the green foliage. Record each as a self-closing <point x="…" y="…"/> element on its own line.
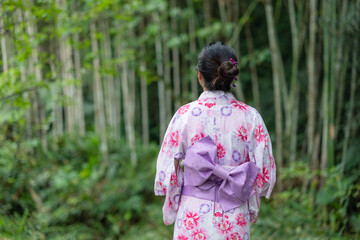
<point x="78" y="192"/>
<point x="70" y="192"/>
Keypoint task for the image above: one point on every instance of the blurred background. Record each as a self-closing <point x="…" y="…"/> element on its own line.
<point x="88" y="87"/>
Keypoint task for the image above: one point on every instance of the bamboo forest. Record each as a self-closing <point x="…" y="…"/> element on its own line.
<point x="88" y="88"/>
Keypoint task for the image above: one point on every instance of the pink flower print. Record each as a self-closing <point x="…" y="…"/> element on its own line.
<point x="197" y="137"/>
<point x="272" y="162"/>
<point x="174" y="180"/>
<point x="174" y="139"/>
<point x="225" y="227"/>
<point x="239" y="105"/>
<point x="217" y="214"/>
<point x="198" y="234"/>
<point x="170" y="202"/>
<point x="259" y="133"/>
<point x="163" y="188"/>
<point x="267" y="140"/>
<point x="210" y="105"/>
<point x="234" y="236"/>
<point x="201" y="101"/>
<point x="164" y="146"/>
<point x="182" y="237"/>
<point x="220" y="150"/>
<point x="242" y="133"/>
<point x="191" y="220"/>
<point x="184" y="109"/>
<point x="259" y="181"/>
<point x="266" y="174"/>
<point x="240" y="220"/>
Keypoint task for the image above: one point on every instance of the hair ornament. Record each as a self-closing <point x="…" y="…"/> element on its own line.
<point x="233" y="62"/>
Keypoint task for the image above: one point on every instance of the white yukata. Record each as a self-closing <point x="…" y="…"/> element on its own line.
<point x="241" y="136"/>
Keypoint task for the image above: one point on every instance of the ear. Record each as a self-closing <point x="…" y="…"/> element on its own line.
<point x="200" y="77"/>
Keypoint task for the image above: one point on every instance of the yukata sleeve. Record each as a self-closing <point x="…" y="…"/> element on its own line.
<point x="260" y="152"/>
<point x="167" y="181"/>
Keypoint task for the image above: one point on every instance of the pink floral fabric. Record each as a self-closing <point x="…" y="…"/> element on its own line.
<point x="240" y="135"/>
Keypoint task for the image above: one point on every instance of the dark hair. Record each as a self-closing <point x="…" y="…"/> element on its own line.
<point x="215" y="66"/>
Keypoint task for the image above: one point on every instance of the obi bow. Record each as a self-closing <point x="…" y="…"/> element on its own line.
<point x="205" y="179"/>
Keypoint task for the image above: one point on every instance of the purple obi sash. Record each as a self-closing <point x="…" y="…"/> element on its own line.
<point x="205" y="179"/>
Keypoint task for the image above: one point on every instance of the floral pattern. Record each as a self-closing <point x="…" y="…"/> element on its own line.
<point x="197" y="137"/>
<point x="259" y="133"/>
<point x="191" y="220"/>
<point x="240" y="135"/>
<point x="182" y="237"/>
<point x="240" y="220"/>
<point x="220" y="150"/>
<point x="184" y="109"/>
<point x="199" y="234"/>
<point x="174" y="139"/>
<point x="225" y="227"/>
<point x="234" y="236"/>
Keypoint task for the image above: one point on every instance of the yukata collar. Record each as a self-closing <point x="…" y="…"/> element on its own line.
<point x="216" y="94"/>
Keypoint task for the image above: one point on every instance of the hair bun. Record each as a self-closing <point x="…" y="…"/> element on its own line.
<point x="225" y="74"/>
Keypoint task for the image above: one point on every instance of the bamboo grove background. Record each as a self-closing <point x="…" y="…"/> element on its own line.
<point x="87" y="88"/>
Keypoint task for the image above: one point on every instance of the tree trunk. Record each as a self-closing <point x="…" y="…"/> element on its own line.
<point x="207" y="15"/>
<point x="161" y="87"/>
<point x="192" y="47"/>
<point x="167" y="71"/>
<point x="253" y="70"/>
<point x="291" y="119"/>
<point x="275" y="56"/>
<point x="144" y="93"/>
<point x="184" y="51"/>
<point x="311" y="69"/>
<point x="23" y="70"/>
<point x="353" y="87"/>
<point x="131" y="113"/>
<point x="340" y="64"/>
<point x="117" y="81"/>
<point x="238" y="89"/>
<point x="327" y="155"/>
<point x="80" y="118"/>
<point x="340" y="96"/>
<point x="222" y="11"/>
<point x="110" y="105"/>
<point x="35" y="68"/>
<point x="144" y="105"/>
<point x="175" y="59"/>
<point x="332" y="82"/>
<point x="3" y="42"/>
<point x="100" y="125"/>
<point x="67" y="67"/>
<point x="128" y="111"/>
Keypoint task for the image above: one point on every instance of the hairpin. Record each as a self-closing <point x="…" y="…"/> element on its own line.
<point x="232" y="61"/>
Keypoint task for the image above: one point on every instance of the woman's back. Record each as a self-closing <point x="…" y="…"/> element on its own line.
<point x="226" y="152"/>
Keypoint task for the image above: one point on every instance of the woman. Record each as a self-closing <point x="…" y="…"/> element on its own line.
<point x="225" y="150"/>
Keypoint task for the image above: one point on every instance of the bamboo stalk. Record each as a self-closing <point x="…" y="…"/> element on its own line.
<point x="100" y="127"/>
<point x="311" y="69"/>
<point x="175" y="60"/>
<point x="80" y="118"/>
<point x="192" y="45"/>
<point x="161" y="87"/>
<point x="353" y="86"/>
<point x="252" y="65"/>
<point x="276" y="81"/>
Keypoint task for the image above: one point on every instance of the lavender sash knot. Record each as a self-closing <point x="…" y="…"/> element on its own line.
<point x="205" y="179"/>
